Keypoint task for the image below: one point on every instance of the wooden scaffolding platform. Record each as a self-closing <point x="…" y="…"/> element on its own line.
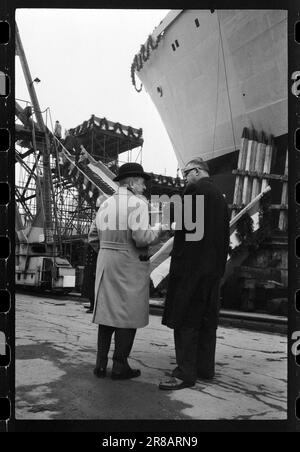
<point x="259" y="280"/>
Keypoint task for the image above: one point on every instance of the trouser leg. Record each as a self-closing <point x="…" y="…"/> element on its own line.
<point x="92" y="303"/>
<point x="178" y="353"/>
<point x="186" y="342"/>
<point x="104" y="340"/>
<point x="178" y="347"/>
<point x="208" y="333"/>
<point x="206" y="352"/>
<point x="92" y="297"/>
<point x="124" y="338"/>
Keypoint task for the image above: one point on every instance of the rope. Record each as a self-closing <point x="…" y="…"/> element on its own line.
<point x="226" y="79"/>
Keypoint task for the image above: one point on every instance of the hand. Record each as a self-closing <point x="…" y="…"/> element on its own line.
<point x="163" y="229"/>
<point x="157" y="227"/>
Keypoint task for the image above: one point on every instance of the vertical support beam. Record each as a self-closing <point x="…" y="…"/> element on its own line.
<point x="92" y="150"/>
<point x="46" y="150"/>
<point x="104" y="150"/>
<point x="251" y="151"/>
<point x="259" y="164"/>
<point x="237" y="198"/>
<point x="283" y="220"/>
<point x="29" y="82"/>
<point x="252" y="167"/>
<point x="78" y="212"/>
<point x="118" y="151"/>
<point x="31" y="175"/>
<point x="268" y="161"/>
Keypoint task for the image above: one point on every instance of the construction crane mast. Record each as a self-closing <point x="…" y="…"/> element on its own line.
<point x="47" y="187"/>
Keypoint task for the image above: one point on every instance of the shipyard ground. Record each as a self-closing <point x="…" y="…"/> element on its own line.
<point x="55" y="356"/>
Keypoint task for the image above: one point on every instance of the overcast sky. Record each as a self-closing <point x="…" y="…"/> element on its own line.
<point x="83" y="59"/>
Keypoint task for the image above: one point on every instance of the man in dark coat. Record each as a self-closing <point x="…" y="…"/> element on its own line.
<point x="88" y="286"/>
<point x="192" y="301"/>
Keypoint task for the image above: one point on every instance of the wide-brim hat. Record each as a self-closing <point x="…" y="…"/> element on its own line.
<point x="131" y="170"/>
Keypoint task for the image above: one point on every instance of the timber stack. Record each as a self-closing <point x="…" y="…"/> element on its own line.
<point x="260" y="282"/>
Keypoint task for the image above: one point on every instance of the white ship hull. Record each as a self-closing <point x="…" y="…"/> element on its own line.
<point x="227" y="71"/>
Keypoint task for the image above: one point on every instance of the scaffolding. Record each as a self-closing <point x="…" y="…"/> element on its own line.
<point x="59" y="198"/>
<point x="71" y="209"/>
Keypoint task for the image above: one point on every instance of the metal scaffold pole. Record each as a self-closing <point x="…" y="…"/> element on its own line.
<point x="46" y="150"/>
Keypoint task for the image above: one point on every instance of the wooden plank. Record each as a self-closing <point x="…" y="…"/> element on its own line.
<point x="259" y="165"/>
<point x="283" y="217"/>
<point x="281" y="177"/>
<point x="271" y="207"/>
<point x="268" y="161"/>
<point x="251" y="152"/>
<point x="281" y="207"/>
<point x="237" y="199"/>
<point x="248" y="208"/>
<point x="252" y="168"/>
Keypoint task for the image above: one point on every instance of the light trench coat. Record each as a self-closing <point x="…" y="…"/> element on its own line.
<point x="121" y="232"/>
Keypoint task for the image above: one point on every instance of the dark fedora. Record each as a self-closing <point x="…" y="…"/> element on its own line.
<point x="131" y="170"/>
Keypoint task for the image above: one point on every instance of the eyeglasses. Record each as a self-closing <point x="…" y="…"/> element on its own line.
<point x="186" y="172"/>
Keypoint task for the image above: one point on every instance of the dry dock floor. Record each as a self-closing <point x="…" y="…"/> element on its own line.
<point x="55" y="355"/>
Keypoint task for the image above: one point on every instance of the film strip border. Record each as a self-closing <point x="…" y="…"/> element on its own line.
<point x="7" y="309"/>
<point x="6" y="229"/>
<point x="294" y="217"/>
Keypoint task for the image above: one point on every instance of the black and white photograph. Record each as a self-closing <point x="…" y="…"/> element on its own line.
<point x="151" y="214"/>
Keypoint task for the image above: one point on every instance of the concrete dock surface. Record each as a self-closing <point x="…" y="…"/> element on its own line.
<point x="55" y="357"/>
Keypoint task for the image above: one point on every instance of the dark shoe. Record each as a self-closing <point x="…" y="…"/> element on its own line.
<point x="130" y="373"/>
<point x="177" y="373"/>
<point x="99" y="372"/>
<point x="174" y="384"/>
<point x="205" y="377"/>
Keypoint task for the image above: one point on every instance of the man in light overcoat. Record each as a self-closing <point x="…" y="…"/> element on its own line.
<point x="122" y="234"/>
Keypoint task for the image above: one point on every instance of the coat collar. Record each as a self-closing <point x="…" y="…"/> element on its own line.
<point x="124" y="191"/>
<point x="193" y="187"/>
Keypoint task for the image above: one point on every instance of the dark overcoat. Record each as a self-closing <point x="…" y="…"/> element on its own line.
<point x="197" y="266"/>
<point x="88" y="285"/>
